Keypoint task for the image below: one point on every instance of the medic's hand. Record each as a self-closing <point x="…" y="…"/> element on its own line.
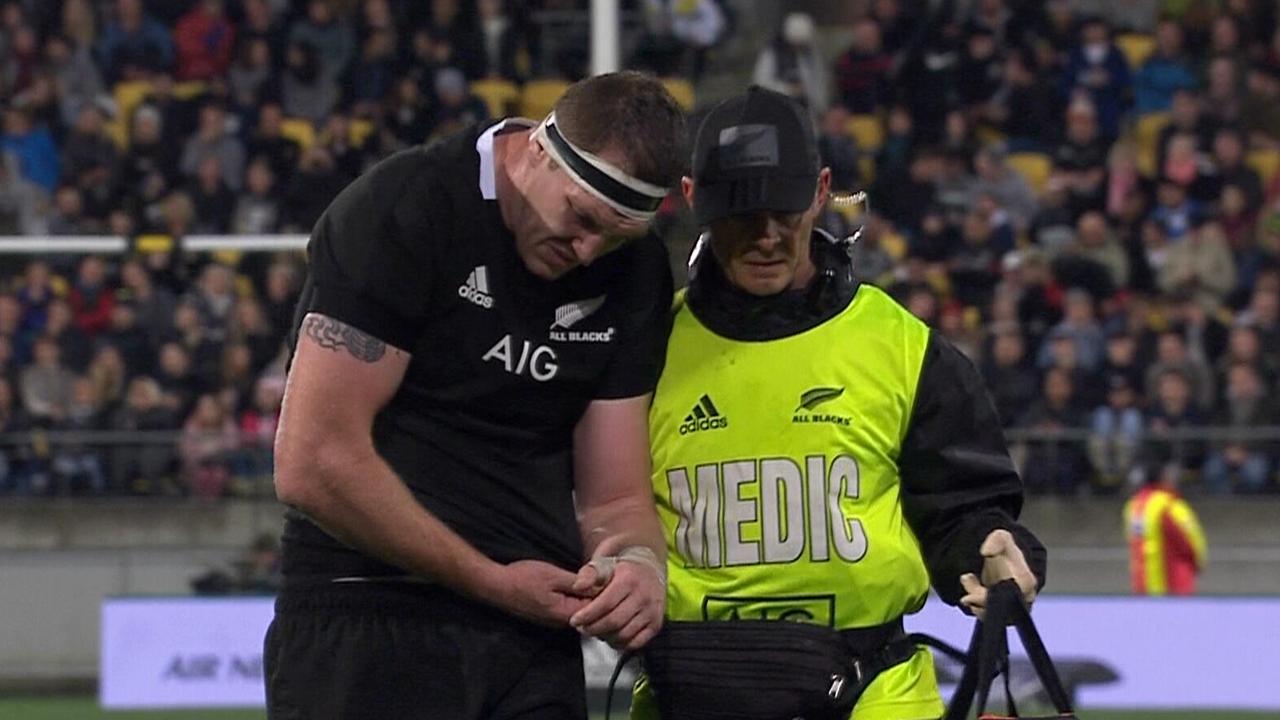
<point x="1002" y="559"/>
<point x="629" y="593"/>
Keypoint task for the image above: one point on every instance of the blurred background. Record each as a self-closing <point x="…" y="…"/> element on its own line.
<point x="1082" y="195"/>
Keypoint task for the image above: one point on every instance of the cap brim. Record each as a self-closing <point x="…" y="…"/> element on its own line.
<point x="783" y="194"/>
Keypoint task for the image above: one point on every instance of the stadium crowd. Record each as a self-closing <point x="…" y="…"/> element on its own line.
<point x="1088" y="207"/>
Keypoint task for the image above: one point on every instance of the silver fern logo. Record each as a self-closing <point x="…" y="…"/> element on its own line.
<point x="570" y="314"/>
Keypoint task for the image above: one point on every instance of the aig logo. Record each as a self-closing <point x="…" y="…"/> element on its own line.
<point x="536" y="361"/>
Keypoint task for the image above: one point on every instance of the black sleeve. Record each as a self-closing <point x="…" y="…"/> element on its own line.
<point x="642" y="349"/>
<point x="368" y="254"/>
<point x="958" y="481"/>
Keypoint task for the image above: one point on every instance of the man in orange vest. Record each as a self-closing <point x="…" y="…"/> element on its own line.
<point x="1166" y="545"/>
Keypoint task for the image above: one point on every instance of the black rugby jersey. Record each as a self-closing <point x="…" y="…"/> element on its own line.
<point x="504" y="363"/>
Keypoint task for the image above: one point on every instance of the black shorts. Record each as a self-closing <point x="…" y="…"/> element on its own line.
<point x="350" y="651"/>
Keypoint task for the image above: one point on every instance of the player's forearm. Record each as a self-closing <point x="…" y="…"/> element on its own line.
<point x="357" y="498"/>
<point x="624" y="522"/>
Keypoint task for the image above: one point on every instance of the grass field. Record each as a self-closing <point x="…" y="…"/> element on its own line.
<point x="87" y="709"/>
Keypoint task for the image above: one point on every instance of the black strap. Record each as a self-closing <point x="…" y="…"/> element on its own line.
<point x="623" y="659"/>
<point x="988" y="655"/>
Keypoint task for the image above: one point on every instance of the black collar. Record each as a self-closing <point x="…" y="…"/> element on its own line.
<point x="737" y="315"/>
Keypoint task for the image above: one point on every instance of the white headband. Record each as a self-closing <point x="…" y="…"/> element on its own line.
<point x="630" y="196"/>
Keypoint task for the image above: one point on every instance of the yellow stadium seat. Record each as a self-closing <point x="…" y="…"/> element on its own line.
<point x="1136" y="48"/>
<point x="155" y="243"/>
<point x="987" y="135"/>
<point x="681" y="90"/>
<point x="190" y="89"/>
<point x="867" y="130"/>
<point x="1034" y="167"/>
<point x="1147" y="135"/>
<point x="299" y="131"/>
<point x="1265" y="162"/>
<point x="500" y="96"/>
<point x="539" y="96"/>
<point x="360" y="131"/>
<point x="127" y="96"/>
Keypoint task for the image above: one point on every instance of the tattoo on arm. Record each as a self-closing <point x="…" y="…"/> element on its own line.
<point x="331" y="334"/>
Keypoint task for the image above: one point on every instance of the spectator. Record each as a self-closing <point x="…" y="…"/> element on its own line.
<point x="179" y="385"/>
<point x="1243" y="347"/>
<point x="338" y="137"/>
<point x="862" y="73"/>
<point x="791" y="64"/>
<point x="213" y="139"/>
<point x="328" y="38"/>
<point x="930" y="76"/>
<point x="1186" y="118"/>
<point x="13" y="463"/>
<point x="408" y="116"/>
<point x="1123" y="360"/>
<point x="313" y="187"/>
<point x="150" y="167"/>
<point x="1013" y="382"/>
<point x="972" y="266"/>
<point x="34" y="297"/>
<point x="1081" y="326"/>
<point x="373" y="77"/>
<point x="33" y="148"/>
<point x="1244" y="464"/>
<point x="214" y="299"/>
<point x="212" y="199"/>
<point x="88" y="145"/>
<point x="109" y="377"/>
<point x="1054" y="464"/>
<point x="1185" y="166"/>
<point x="1263" y="314"/>
<point x="1201" y="264"/>
<point x="1171" y="417"/>
<point x="269" y="142"/>
<point x="1115" y="435"/>
<point x="22" y="202"/>
<point x="258" y="425"/>
<point x="1079" y="162"/>
<point x="1172" y="356"/>
<point x="1096" y="243"/>
<point x="981" y="68"/>
<point x="145" y="467"/>
<point x="133" y="46"/>
<point x="1229" y="169"/>
<point x="250" y="327"/>
<point x="1260" y="109"/>
<point x="260" y="21"/>
<point x="697" y="24"/>
<point x="306" y="92"/>
<point x="1175" y="212"/>
<point x="204" y="38"/>
<point x="75" y="75"/>
<point x="893" y="160"/>
<point x="74" y="348"/>
<point x="456" y="107"/>
<point x="1206" y="337"/>
<point x="1010" y="189"/>
<point x="257" y="209"/>
<point x="91" y="298"/>
<point x="209" y="438"/>
<point x="1022" y="108"/>
<point x="1222" y="99"/>
<point x="512" y="44"/>
<point x="1167" y="70"/>
<point x="1097" y="69"/>
<point x="45" y="385"/>
<point x="251" y="72"/>
<point x="280" y="297"/>
<point x="135" y="346"/>
<point x="153" y="304"/>
<point x="78" y="22"/>
<point x="838" y="149"/>
<point x="78" y="465"/>
<point x="68" y="216"/>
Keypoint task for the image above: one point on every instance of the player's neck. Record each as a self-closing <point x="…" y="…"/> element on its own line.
<point x="509" y="155"/>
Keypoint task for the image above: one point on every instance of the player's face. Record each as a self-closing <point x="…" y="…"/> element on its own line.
<point x="567" y="226"/>
<point x="766" y="253"/>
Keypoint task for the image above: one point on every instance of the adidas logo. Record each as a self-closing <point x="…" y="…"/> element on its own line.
<point x="704" y="416"/>
<point x="476" y="288"/>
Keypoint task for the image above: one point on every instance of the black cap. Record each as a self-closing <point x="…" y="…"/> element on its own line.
<point x="754" y="152"/>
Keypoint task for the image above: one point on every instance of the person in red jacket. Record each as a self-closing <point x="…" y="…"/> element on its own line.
<point x="1166" y="545"/>
<point x="91" y="297"/>
<point x="204" y="38"/>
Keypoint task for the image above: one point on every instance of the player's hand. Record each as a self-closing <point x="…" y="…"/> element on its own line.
<point x="1002" y="559"/>
<point x="538" y="591"/>
<point x="629" y="598"/>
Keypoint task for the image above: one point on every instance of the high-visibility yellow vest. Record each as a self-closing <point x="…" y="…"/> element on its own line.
<point x="775" y="469"/>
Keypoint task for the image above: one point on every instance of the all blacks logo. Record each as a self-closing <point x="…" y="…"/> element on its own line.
<point x="709" y="423"/>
